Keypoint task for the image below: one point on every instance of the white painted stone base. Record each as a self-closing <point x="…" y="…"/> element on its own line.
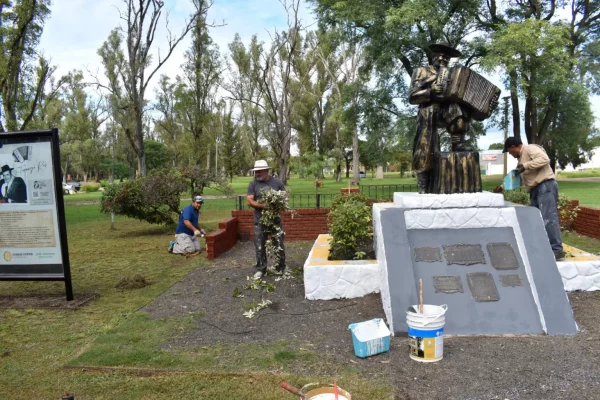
<point x="580" y="275"/>
<point x="326" y="280"/>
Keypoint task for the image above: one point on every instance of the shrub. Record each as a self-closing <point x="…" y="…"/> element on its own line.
<point x="104" y="183"/>
<point x="567" y="212"/>
<point x="154" y="198"/>
<point x="517" y="196"/>
<point x="349" y="226"/>
<point x="90" y="187"/>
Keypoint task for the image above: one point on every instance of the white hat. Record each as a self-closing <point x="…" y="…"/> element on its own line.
<point x="260" y="164"/>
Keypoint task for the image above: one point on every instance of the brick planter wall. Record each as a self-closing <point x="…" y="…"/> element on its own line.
<point x="223" y="239"/>
<point x="588" y="222"/>
<point x="307" y="224"/>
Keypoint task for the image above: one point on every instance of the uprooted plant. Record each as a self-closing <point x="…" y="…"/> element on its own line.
<point x="276" y="202"/>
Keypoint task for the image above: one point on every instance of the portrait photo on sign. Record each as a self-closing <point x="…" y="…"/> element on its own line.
<point x="14" y="161"/>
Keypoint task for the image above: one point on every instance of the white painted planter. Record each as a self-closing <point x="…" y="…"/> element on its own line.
<point x="326" y="280"/>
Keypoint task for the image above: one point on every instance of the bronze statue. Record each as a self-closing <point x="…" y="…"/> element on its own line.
<point x="448" y="98"/>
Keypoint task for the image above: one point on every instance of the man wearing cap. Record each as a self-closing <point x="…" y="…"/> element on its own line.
<point x="539" y="180"/>
<point x="262" y="180"/>
<point x="14" y="189"/>
<point x="188" y="230"/>
<point x="427" y="88"/>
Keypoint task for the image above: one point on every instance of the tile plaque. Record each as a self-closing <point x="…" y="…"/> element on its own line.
<point x="448" y="284"/>
<point x="464" y="254"/>
<point x="511" y="280"/>
<point x="428" y="254"/>
<point x="482" y="286"/>
<point x="502" y="256"/>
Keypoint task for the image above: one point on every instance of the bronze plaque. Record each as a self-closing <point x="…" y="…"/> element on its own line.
<point x="464" y="254"/>
<point x="482" y="285"/>
<point x="511" y="280"/>
<point x="428" y="254"/>
<point x="447" y="284"/>
<point x="502" y="256"/>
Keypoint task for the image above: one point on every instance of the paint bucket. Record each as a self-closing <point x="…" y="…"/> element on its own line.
<point x="322" y="393"/>
<point x="426" y="332"/>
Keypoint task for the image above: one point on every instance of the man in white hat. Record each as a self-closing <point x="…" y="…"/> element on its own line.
<point x="262" y="180"/>
<point x="188" y="229"/>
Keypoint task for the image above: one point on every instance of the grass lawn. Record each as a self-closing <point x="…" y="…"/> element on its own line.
<point x="586" y="243"/>
<point x="40" y="350"/>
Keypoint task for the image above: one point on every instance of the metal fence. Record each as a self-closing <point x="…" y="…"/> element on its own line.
<point x="386" y="192"/>
<point x="295" y="201"/>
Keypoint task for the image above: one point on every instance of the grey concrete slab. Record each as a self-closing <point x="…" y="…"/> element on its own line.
<point x="553" y="299"/>
<point x="515" y="312"/>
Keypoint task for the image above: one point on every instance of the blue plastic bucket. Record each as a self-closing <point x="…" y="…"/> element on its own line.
<point x="370" y="337"/>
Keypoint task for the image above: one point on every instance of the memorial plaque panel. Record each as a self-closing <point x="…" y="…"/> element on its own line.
<point x="447" y="284"/>
<point x="511" y="280"/>
<point x="464" y="254"/>
<point x="428" y="254"/>
<point x="502" y="256"/>
<point x="482" y="286"/>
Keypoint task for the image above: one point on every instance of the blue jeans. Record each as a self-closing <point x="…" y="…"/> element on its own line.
<point x="260" y="237"/>
<point x="545" y="197"/>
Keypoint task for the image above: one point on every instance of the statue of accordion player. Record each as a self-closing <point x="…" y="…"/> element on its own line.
<point x="448" y="97"/>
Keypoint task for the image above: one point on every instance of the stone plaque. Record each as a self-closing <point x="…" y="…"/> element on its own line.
<point x="428" y="254"/>
<point x="447" y="284"/>
<point x="502" y="256"/>
<point x="511" y="280"/>
<point x="464" y="254"/>
<point x="482" y="285"/>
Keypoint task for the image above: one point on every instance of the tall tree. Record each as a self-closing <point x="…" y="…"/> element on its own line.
<point x="23" y="73"/>
<point x="200" y="77"/>
<point x="133" y="69"/>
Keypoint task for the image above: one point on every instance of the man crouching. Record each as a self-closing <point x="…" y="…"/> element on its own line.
<point x="188" y="230"/>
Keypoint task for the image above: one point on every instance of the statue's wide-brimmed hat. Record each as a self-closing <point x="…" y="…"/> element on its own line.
<point x="444" y="48"/>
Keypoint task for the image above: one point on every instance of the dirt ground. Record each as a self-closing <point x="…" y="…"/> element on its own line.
<point x="531" y="367"/>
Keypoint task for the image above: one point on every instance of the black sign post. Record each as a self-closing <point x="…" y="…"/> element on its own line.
<point x="33" y="230"/>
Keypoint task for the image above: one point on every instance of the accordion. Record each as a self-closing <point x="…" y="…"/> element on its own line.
<point x="468" y="88"/>
<point x="22" y="153"/>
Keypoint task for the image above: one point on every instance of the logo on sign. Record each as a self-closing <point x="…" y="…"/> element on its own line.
<point x="7" y="256"/>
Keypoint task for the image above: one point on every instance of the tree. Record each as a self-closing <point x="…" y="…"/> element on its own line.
<point x="200" y="80"/>
<point x="496" y="146"/>
<point x="157" y="157"/>
<point x="130" y="73"/>
<point x="23" y="74"/>
<point x="231" y="154"/>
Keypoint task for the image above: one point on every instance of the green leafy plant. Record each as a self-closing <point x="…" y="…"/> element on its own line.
<point x="90" y="187"/>
<point x="154" y="198"/>
<point x="276" y="202"/>
<point x="349" y="226"/>
<point x="567" y="212"/>
<point x="517" y="196"/>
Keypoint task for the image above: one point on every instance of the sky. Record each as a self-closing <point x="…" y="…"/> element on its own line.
<point x="77" y="28"/>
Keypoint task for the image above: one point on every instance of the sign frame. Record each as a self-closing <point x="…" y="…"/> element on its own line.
<point x="45" y="272"/>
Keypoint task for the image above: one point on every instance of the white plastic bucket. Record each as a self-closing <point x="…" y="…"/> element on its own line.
<point x="426" y="332"/>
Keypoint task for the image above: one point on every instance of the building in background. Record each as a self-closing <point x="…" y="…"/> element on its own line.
<point x="492" y="162"/>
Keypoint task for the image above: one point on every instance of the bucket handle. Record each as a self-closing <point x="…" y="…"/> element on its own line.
<point x="444" y="307"/>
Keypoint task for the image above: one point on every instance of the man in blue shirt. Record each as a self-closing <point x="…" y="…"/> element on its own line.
<point x="262" y="180"/>
<point x="188" y="230"/>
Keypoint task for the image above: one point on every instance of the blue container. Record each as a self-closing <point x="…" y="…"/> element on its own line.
<point x="512" y="180"/>
<point x="370" y="337"/>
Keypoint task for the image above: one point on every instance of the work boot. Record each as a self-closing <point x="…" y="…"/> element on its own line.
<point x="559" y="255"/>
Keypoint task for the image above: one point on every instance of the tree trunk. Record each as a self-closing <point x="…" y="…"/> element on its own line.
<point x="338" y="173"/>
<point x="355" y="157"/>
<point x="514" y="101"/>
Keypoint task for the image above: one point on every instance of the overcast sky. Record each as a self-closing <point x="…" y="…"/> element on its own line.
<point x="77" y="28"/>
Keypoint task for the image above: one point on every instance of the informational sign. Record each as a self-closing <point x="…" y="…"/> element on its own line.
<point x="489" y="157"/>
<point x="33" y="235"/>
